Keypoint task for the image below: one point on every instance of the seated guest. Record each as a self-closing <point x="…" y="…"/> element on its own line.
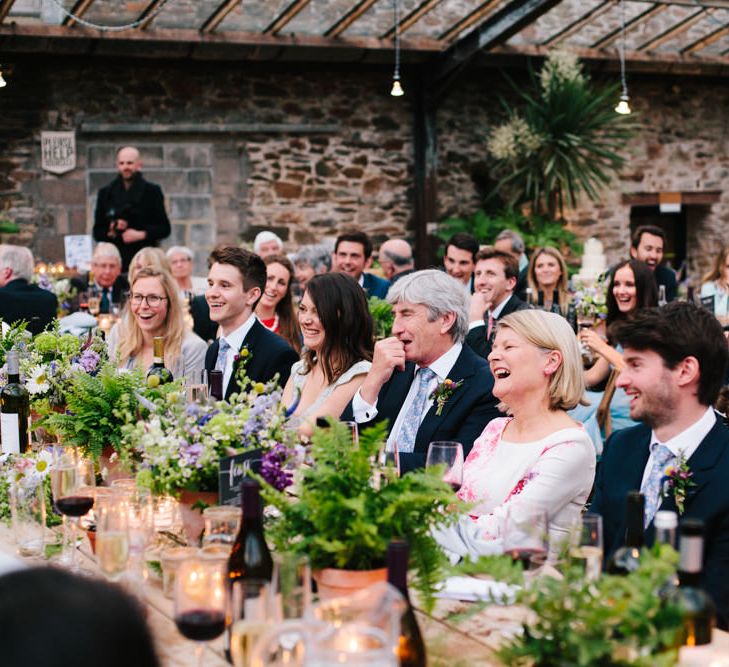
<point x="425" y="349"/>
<point x="547" y="276"/>
<point x="105" y="278"/>
<point x="511" y="242"/>
<point x="647" y="245"/>
<point x="180" y="258"/>
<point x="149" y="258"/>
<point x="266" y="244"/>
<point x="537" y="459"/>
<point x="19" y="298"/>
<point x="396" y="259"/>
<point x="155" y="310"/>
<point x="352" y="255"/>
<point x="236" y="281"/>
<point x="338" y="335"/>
<point x="82" y="622"/>
<point x="309" y="261"/>
<point x="275" y="310"/>
<point x="674" y="363"/>
<point x="716" y="283"/>
<point x="494" y="283"/>
<point x="459" y="259"/>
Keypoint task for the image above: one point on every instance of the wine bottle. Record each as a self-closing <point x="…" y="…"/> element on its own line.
<point x="627" y="558"/>
<point x="14" y="410"/>
<point x="216" y="384"/>
<point x="250" y="566"/>
<point x="411" y="648"/>
<point x="666" y="523"/>
<point x="540" y="299"/>
<point x="555" y="303"/>
<point x="697" y="609"/>
<point x="158" y="369"/>
<point x="572" y="315"/>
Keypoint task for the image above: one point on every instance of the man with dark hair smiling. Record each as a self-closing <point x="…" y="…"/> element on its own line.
<point x="675" y="358"/>
<point x="647" y="245"/>
<point x="460" y="257"/>
<point x="352" y="255"/>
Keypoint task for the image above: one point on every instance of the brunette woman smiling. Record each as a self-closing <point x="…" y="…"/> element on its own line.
<point x="275" y="310"/>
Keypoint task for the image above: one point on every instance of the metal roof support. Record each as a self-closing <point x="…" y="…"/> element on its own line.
<point x="284" y="17"/>
<point x="707" y="40"/>
<point x="79" y="8"/>
<point x="216" y="18"/>
<point x="5" y="7"/>
<point x="467" y="21"/>
<point x="613" y="35"/>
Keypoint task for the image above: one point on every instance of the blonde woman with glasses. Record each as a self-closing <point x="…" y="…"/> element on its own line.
<point x="154" y="309"/>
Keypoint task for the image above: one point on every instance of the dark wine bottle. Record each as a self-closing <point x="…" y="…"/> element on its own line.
<point x="697" y="610"/>
<point x="411" y="648"/>
<point x="540" y="299"/>
<point x="250" y="566"/>
<point x="666" y="523"/>
<point x="216" y="384"/>
<point x="14" y="410"/>
<point x="572" y="315"/>
<point x="158" y="369"/>
<point x="555" y="308"/>
<point x="626" y="559"/>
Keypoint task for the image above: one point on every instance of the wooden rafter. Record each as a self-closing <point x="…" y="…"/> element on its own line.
<point x="148" y="14"/>
<point x="675" y="29"/>
<point x="613" y="35"/>
<point x="580" y="23"/>
<point x="349" y="18"/>
<point x="707" y="40"/>
<point x="5" y="7"/>
<point x="79" y="8"/>
<point x="413" y="17"/>
<point x="284" y="17"/>
<point x="467" y="21"/>
<point x="216" y="18"/>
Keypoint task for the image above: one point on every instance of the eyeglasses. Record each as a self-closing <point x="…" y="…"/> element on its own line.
<point x="153" y="300"/>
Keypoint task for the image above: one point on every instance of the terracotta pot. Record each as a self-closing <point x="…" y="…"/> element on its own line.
<point x="91" y="534"/>
<point x="192" y="519"/>
<point x="334" y="583"/>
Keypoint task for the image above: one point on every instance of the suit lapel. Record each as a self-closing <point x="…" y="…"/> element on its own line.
<point x="250" y="342"/>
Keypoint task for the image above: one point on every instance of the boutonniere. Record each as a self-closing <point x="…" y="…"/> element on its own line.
<point x="243" y="356"/>
<point x="443" y="392"/>
<point x="677" y="478"/>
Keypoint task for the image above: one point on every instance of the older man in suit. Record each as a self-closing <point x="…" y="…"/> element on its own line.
<point x="425" y="349"/>
<point x="235" y="283"/>
<point x="20" y="300"/>
<point x="674" y="361"/>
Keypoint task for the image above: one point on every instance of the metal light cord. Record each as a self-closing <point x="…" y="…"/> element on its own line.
<point x="622" y="48"/>
<point x="110" y="28"/>
<point x="397" y="39"/>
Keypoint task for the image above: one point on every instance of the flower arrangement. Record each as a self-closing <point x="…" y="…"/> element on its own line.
<point x="27" y="472"/>
<point x="591" y="301"/>
<point x="61" y="287"/>
<point x="443" y="392"/>
<point x="12" y="336"/>
<point x="678" y="480"/>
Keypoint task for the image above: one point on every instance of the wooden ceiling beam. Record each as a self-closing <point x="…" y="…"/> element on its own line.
<point x="707" y="40"/>
<point x="580" y="23"/>
<point x="412" y="18"/>
<point x="633" y="23"/>
<point x="5" y="7"/>
<point x="217" y="17"/>
<point x="469" y="20"/>
<point x="149" y="14"/>
<point x="79" y="8"/>
<point x="675" y="29"/>
<point x="349" y="18"/>
<point x="287" y="15"/>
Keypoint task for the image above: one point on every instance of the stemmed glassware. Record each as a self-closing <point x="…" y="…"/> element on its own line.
<point x="587" y="545"/>
<point x="200" y="601"/>
<point x="197" y="387"/>
<point x="112" y="536"/>
<point x="525" y="533"/>
<point x="450" y="455"/>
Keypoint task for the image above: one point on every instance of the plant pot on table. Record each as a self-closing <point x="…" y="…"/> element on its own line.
<point x="332" y="582"/>
<point x="192" y="518"/>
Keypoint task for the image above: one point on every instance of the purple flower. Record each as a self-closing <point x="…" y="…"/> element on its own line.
<point x="89" y="360"/>
<point x="272" y="467"/>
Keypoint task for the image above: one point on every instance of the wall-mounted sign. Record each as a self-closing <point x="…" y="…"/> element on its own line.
<point x="58" y="151"/>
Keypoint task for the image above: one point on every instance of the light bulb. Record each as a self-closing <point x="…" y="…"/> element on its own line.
<point x="3" y="82"/>
<point x="397" y="90"/>
<point x="623" y="107"/>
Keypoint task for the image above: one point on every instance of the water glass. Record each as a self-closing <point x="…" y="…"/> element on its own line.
<point x="587" y="545"/>
<point x="525" y="532"/>
<point x="197" y="385"/>
<point x="170" y="559"/>
<point x="449" y="455"/>
<point x="222" y="524"/>
<point x="112" y="537"/>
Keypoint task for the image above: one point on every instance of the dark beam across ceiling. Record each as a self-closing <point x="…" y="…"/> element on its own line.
<point x="413" y="17"/>
<point x="285" y="16"/>
<point x="676" y="29"/>
<point x="349" y="18"/>
<point x="706" y="40"/>
<point x="5" y="7"/>
<point x="218" y="15"/>
<point x="613" y="35"/>
<point x="148" y="14"/>
<point x="580" y="23"/>
<point x="79" y="8"/>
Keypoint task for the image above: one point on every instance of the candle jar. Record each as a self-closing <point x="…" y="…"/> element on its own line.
<point x="222" y="524"/>
<point x="28" y="517"/>
<point x="170" y="559"/>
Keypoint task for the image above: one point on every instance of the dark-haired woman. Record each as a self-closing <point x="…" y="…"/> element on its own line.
<point x="338" y="339"/>
<point x="275" y="310"/>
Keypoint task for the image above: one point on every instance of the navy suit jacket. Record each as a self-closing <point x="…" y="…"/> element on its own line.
<point x="621" y="470"/>
<point x="464" y="415"/>
<point x="21" y="300"/>
<point x="374" y="285"/>
<point x="476" y="337"/>
<point x="270" y="354"/>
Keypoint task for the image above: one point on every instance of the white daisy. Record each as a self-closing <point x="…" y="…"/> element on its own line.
<point x="38" y="381"/>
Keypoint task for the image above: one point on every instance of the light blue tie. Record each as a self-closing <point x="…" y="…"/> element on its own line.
<point x="652" y="487"/>
<point x="413" y="417"/>
<point x="223" y="347"/>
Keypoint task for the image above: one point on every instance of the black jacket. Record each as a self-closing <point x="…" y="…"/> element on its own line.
<point x="21" y="300"/>
<point x="476" y="337"/>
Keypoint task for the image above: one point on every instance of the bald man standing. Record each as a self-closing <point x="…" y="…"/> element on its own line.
<point x="130" y="211"/>
<point x="396" y="259"/>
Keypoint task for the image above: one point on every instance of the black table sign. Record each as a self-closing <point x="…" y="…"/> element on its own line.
<point x="232" y="470"/>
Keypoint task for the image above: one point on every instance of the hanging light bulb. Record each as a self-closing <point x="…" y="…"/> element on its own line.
<point x="3" y="82"/>
<point x="623" y="107"/>
<point x="397" y="90"/>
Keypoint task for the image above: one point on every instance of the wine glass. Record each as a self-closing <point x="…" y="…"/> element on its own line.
<point x="525" y="533"/>
<point x="197" y="386"/>
<point x="450" y="455"/>
<point x="200" y="602"/>
<point x="585" y="323"/>
<point x="587" y="545"/>
<point x="112" y="536"/>
<point x="94" y="304"/>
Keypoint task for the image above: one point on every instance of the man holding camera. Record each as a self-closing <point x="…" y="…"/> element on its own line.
<point x="130" y="211"/>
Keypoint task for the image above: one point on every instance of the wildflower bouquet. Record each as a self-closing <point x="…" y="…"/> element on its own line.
<point x="591" y="301"/>
<point x="61" y="287"/>
<point x="27" y="472"/>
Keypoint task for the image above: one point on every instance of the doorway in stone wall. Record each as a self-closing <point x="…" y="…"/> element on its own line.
<point x="673" y="226"/>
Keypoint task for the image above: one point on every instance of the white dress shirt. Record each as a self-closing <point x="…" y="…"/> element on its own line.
<point x="442" y="366"/>
<point x="685" y="443"/>
<point x="235" y="340"/>
<point x="495" y="313"/>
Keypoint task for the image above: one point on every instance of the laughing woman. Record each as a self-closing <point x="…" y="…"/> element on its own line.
<point x="537" y="460"/>
<point x="338" y="337"/>
<point x="275" y="310"/>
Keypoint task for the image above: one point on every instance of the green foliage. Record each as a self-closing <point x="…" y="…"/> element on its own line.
<point x="8" y="226"/>
<point x="349" y="508"/>
<point x="97" y="406"/>
<point x="382" y="315"/>
<point x="11" y="338"/>
<point x="578" y="623"/>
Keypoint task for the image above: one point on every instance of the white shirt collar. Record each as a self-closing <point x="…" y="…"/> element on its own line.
<point x="442" y="365"/>
<point x="496" y="312"/>
<point x="688" y="440"/>
<point x="235" y="338"/>
<point x="360" y="280"/>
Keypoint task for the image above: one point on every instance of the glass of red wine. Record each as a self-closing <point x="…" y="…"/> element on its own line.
<point x="200" y="601"/>
<point x="72" y="485"/>
<point x="450" y="456"/>
<point x="525" y="532"/>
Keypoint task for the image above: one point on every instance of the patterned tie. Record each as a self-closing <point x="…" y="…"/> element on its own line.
<point x="651" y="489"/>
<point x="223" y="347"/>
<point x="413" y="417"/>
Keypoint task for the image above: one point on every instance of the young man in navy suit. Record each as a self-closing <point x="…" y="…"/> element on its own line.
<point x="236" y="280"/>
<point x="352" y="255"/>
<point x="411" y="366"/>
<point x="674" y="362"/>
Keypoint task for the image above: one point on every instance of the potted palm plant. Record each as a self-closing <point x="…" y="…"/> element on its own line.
<point x="348" y="508"/>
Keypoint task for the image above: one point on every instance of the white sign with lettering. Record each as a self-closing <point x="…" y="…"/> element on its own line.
<point x="58" y="151"/>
